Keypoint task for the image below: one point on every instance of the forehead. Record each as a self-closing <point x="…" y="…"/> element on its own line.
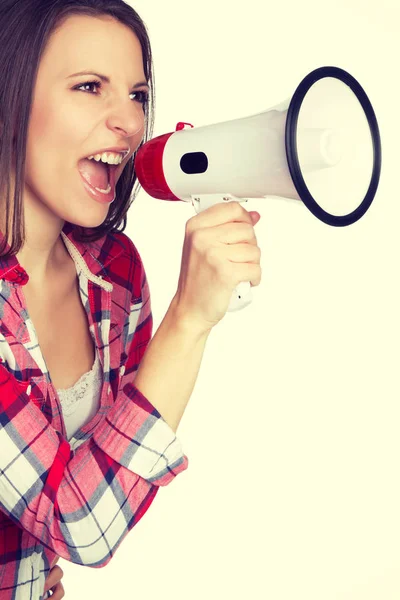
<point x="81" y="39"/>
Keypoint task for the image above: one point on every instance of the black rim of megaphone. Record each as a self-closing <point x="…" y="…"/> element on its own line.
<point x="291" y="145"/>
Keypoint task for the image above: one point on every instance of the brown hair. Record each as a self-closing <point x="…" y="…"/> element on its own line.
<point x="26" y="26"/>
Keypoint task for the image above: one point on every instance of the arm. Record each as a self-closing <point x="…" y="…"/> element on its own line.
<point x="169" y="369"/>
<point x="82" y="504"/>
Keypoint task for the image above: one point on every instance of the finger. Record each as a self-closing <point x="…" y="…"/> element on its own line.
<point x="248" y="272"/>
<point x="234" y="233"/>
<point x="58" y="592"/>
<point x="223" y="212"/>
<point x="53" y="577"/>
<point x="244" y="253"/>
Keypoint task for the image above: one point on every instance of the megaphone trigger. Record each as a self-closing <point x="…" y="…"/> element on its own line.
<point x="203" y="201"/>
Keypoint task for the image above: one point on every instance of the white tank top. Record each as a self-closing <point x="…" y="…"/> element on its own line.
<point x="81" y="401"/>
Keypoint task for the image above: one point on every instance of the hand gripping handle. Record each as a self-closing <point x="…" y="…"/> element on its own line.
<point x="241" y="295"/>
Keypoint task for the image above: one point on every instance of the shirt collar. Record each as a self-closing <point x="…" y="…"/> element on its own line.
<point x="92" y="257"/>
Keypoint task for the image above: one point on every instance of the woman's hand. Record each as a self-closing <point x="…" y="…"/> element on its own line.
<point x="220" y="250"/>
<point x="53" y="581"/>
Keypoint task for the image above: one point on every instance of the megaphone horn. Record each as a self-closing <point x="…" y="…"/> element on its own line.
<point x="321" y="147"/>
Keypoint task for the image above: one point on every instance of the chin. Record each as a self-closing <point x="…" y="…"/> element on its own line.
<point x="88" y="217"/>
<point x="88" y="221"/>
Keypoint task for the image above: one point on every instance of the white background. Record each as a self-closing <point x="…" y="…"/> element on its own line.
<point x="292" y="432"/>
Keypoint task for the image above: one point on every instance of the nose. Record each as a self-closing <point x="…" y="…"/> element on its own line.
<point x="126" y="118"/>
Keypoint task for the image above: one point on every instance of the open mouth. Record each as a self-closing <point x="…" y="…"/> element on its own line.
<point x="100" y="175"/>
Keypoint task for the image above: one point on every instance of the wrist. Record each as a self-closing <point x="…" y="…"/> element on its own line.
<point x="187" y="323"/>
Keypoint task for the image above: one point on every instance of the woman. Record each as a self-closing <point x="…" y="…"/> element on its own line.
<point x="86" y="437"/>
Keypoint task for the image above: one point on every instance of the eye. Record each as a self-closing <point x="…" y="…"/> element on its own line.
<point x="96" y="83"/>
<point x="141" y="96"/>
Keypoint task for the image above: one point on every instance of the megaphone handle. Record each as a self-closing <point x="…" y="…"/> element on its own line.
<point x="241" y="295"/>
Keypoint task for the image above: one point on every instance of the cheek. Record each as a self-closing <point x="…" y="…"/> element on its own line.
<point x="141" y="127"/>
<point x="46" y="152"/>
<point x="42" y="142"/>
<point x="52" y="138"/>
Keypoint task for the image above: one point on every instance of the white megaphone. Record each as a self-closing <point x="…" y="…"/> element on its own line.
<point x="322" y="147"/>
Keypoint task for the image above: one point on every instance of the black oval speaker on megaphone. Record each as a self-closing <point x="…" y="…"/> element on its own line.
<point x="322" y="147"/>
<point x="351" y="147"/>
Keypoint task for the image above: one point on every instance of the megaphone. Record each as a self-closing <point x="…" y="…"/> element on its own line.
<point x="322" y="147"/>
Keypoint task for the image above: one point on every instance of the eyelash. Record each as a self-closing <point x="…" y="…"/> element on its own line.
<point x="98" y="84"/>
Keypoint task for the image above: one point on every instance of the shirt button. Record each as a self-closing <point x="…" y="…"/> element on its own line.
<point x="122" y="370"/>
<point x="29" y="390"/>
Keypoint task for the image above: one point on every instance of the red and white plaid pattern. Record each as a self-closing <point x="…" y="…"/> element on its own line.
<point x="79" y="498"/>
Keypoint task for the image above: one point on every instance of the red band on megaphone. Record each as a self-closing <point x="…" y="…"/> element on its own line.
<point x="149" y="168"/>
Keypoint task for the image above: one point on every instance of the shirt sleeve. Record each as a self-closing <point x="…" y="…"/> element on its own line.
<point x="156" y="453"/>
<point x="81" y="504"/>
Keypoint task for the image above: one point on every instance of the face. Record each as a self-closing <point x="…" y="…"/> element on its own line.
<point x="71" y="119"/>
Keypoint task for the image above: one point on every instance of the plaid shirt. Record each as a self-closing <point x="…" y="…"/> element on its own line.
<point x="79" y="498"/>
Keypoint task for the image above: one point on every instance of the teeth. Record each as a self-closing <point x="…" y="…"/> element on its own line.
<point x="107" y="191"/>
<point x="112" y="158"/>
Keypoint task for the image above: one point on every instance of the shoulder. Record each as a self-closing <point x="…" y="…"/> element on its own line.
<point x="122" y="240"/>
<point x="128" y="264"/>
<point x="130" y="252"/>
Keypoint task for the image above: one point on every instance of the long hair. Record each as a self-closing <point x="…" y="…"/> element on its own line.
<point x="25" y="28"/>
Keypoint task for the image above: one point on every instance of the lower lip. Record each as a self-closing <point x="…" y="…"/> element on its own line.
<point x="98" y="196"/>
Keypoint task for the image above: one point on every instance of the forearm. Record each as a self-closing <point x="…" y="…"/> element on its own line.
<point x="54" y="502"/>
<point x="170" y="365"/>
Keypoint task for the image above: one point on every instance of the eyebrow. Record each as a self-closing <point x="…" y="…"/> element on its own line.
<point x="106" y="79"/>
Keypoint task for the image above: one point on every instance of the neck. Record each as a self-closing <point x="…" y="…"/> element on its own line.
<point x="43" y="252"/>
